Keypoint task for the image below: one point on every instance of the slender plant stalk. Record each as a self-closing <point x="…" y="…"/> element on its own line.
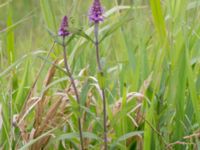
<point x="75" y="90"/>
<point x="96" y="31"/>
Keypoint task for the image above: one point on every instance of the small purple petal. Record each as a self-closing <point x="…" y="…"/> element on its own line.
<point x="96" y="12"/>
<point x="63" y="31"/>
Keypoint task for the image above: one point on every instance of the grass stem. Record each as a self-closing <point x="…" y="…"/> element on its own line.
<point x="96" y="31"/>
<point x="75" y="90"/>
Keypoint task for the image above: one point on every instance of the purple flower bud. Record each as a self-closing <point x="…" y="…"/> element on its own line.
<point x="96" y="12"/>
<point x="63" y="31"/>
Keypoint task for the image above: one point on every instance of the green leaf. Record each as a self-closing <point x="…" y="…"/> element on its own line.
<point x="75" y="135"/>
<point x="129" y="135"/>
<point x="125" y="137"/>
<point x="101" y="80"/>
<point x="113" y="27"/>
<point x="21" y="93"/>
<point x="19" y="61"/>
<point x="158" y="18"/>
<point x="75" y="105"/>
<point x="81" y="33"/>
<point x="48" y="14"/>
<point x="10" y="36"/>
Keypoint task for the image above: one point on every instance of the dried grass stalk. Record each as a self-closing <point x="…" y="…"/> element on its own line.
<point x="143" y="89"/>
<point x="40" y="105"/>
<point x="46" y="124"/>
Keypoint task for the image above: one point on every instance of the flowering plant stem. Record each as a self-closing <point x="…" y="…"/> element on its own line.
<point x="75" y="90"/>
<point x="96" y="31"/>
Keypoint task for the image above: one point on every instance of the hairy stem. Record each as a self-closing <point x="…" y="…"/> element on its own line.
<point x="75" y="90"/>
<point x="96" y="31"/>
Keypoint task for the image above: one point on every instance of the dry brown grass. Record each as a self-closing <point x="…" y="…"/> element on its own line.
<point x="49" y="113"/>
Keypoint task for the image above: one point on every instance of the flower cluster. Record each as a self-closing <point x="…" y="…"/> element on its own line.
<point x="63" y="31"/>
<point x="96" y="12"/>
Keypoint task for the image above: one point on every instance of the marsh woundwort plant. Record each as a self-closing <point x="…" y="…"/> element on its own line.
<point x="96" y="16"/>
<point x="64" y="32"/>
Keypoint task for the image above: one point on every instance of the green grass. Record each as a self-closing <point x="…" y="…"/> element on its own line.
<point x="151" y="58"/>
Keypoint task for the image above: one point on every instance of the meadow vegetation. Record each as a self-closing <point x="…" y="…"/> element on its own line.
<point x="149" y="53"/>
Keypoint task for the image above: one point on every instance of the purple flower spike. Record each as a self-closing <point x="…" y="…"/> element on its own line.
<point x="63" y="31"/>
<point x="96" y="12"/>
